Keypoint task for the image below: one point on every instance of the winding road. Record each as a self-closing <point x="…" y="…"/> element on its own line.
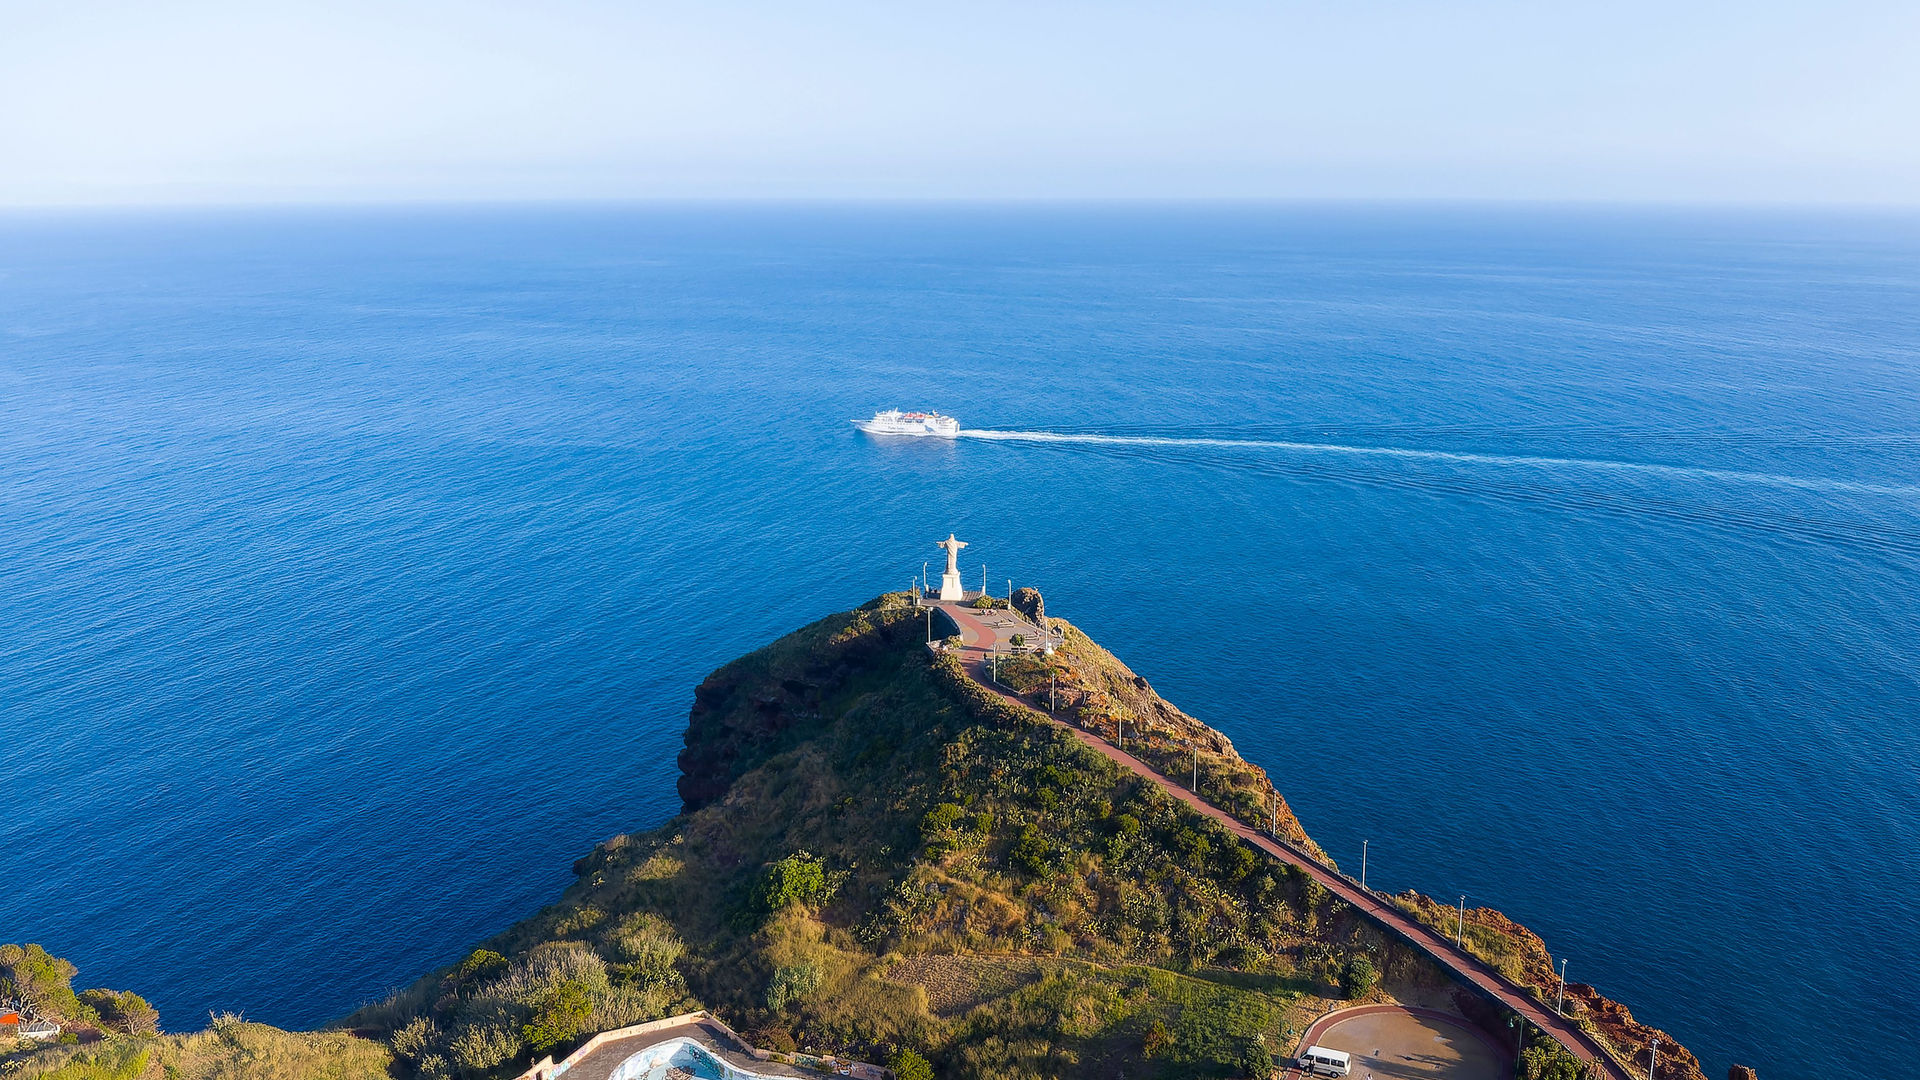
<point x="979" y="640"/>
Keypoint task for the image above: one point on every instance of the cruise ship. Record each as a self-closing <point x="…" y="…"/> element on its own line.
<point x="895" y="422"/>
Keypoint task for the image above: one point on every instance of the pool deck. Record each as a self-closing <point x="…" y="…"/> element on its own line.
<point x="601" y="1058"/>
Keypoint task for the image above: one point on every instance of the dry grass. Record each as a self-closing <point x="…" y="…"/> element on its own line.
<point x="230" y="1050"/>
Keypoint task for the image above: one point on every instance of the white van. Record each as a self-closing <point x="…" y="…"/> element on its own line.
<point x="1320" y="1061"/>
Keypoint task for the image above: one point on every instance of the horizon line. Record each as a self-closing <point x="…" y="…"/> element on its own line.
<point x="614" y="201"/>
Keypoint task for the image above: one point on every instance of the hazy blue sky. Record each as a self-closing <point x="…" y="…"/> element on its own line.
<point x="203" y="100"/>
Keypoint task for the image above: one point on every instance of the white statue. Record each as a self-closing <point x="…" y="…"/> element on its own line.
<point x="950" y="581"/>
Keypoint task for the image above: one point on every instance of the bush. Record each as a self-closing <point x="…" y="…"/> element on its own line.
<point x="792" y="984"/>
<point x="1029" y="852"/>
<point x="1547" y="1060"/>
<point x="907" y="1065"/>
<point x="797" y="879"/>
<point x="1157" y="1041"/>
<point x="1358" y="978"/>
<point x="483" y="1046"/>
<point x="479" y="966"/>
<point x="559" y="1014"/>
<point x="123" y="1011"/>
<point x="647" y="950"/>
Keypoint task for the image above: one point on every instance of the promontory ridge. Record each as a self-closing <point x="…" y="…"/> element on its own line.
<point x="944" y="834"/>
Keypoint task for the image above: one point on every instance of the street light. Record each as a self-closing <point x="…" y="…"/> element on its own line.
<point x="1562" y="999"/>
<point x="1653" y="1055"/>
<point x="1460" y="927"/>
<point x="1363" y="864"/>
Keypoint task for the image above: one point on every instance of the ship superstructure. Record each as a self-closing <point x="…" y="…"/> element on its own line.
<point x="895" y="422"/>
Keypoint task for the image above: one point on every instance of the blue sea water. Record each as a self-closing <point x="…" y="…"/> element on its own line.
<point x="357" y="567"/>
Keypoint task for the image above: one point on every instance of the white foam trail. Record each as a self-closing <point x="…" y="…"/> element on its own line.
<point x="1455" y="457"/>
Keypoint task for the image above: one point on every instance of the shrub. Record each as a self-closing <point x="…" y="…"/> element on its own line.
<point x="647" y="950"/>
<point x="1029" y="852"/>
<point x="939" y="821"/>
<point x="1547" y="1060"/>
<point x="479" y="966"/>
<point x="123" y="1011"/>
<point x="1358" y="978"/>
<point x="483" y="1046"/>
<point x="797" y="879"/>
<point x="1019" y="640"/>
<point x="1255" y="1060"/>
<point x="1157" y="1041"/>
<point x="907" y="1065"/>
<point x="792" y="984"/>
<point x="559" y="1014"/>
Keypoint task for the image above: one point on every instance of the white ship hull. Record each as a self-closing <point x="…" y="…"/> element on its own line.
<point x="895" y="422"/>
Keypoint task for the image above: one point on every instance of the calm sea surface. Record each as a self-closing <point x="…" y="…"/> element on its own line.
<point x="356" y="568"/>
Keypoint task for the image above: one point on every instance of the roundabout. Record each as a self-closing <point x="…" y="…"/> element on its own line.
<point x="1398" y="1042"/>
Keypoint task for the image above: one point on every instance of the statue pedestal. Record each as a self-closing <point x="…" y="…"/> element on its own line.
<point x="950" y="586"/>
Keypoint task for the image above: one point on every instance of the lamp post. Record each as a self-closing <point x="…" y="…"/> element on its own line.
<point x="983" y="579"/>
<point x="929" y="626"/>
<point x="1363" y="864"/>
<point x="1196" y="768"/>
<point x="1562" y="998"/>
<point x="1460" y="927"/>
<point x="1653" y="1055"/>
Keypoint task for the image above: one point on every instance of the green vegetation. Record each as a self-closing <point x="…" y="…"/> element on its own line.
<point x="887" y="862"/>
<point x="1359" y="978"/>
<point x="883" y="860"/>
<point x="231" y="1049"/>
<point x="43" y="982"/>
<point x="1548" y="1060"/>
<point x="122" y="1011"/>
<point x="797" y="879"/>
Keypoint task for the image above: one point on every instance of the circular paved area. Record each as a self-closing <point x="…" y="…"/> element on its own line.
<point x="1392" y="1042"/>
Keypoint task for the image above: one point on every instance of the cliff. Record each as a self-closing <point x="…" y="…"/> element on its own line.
<point x="877" y="857"/>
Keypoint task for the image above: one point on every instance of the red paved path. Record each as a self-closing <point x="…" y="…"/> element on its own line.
<point x="980" y="639"/>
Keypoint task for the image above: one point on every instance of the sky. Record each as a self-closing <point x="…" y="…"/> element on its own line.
<point x="203" y="101"/>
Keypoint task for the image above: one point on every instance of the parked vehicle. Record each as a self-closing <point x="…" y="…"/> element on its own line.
<point x="1320" y="1061"/>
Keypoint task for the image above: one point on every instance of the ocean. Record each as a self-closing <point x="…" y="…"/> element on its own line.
<point x="357" y="566"/>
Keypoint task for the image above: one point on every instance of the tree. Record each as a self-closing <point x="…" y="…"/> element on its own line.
<point x="907" y="1065"/>
<point x="40" y="981"/>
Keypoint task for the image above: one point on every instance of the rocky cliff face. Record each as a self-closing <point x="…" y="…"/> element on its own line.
<point x="747" y="710"/>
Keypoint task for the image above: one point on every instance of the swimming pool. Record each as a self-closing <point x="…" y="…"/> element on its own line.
<point x="683" y="1053"/>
